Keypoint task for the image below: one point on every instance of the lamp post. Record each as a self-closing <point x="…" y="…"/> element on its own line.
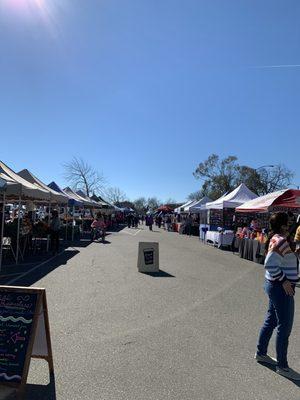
<point x="264" y="166"/>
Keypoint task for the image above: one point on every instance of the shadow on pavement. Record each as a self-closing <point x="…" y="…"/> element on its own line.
<point x="41" y="392"/>
<point x="159" y="274"/>
<point x="44" y="269"/>
<point x="273" y="368"/>
<point x="99" y="241"/>
<point x="32" y="392"/>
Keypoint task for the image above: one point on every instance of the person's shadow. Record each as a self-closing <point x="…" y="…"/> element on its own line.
<point x="273" y="368"/>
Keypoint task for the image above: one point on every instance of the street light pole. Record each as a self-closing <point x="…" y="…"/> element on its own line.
<point x="264" y="166"/>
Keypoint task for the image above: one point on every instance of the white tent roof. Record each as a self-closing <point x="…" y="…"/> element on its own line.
<point x="54" y="196"/>
<point x="19" y="187"/>
<point x="186" y="208"/>
<point x="77" y="197"/>
<point x="196" y="207"/>
<point x="181" y="208"/>
<point x="87" y="198"/>
<point x="238" y="196"/>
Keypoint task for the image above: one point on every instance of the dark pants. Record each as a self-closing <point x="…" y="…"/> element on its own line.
<point x="280" y="314"/>
<point x="54" y="236"/>
<point x="189" y="229"/>
<point x="150" y="227"/>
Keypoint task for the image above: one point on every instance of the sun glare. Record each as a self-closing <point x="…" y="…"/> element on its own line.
<point x="43" y="10"/>
<point x="23" y="4"/>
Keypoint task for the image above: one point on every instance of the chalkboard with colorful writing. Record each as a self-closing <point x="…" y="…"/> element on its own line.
<point x="17" y="313"/>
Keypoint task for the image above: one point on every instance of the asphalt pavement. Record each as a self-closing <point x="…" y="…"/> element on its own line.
<point x="188" y="333"/>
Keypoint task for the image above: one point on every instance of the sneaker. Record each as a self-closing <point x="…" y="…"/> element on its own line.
<point x="288" y="373"/>
<point x="265" y="359"/>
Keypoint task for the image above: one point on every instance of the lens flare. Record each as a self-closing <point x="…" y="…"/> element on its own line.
<point x="44" y="10"/>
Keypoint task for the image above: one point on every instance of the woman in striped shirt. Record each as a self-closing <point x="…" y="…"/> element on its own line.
<point x="281" y="273"/>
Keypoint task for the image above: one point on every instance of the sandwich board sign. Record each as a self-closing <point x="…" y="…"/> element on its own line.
<point x="24" y="334"/>
<point x="148" y="257"/>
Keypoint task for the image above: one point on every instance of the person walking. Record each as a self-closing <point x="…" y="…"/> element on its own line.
<point x="280" y="278"/>
<point x="149" y="221"/>
<point x="54" y="232"/>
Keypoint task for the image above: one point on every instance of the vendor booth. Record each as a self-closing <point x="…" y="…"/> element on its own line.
<point x="14" y="188"/>
<point x="250" y="240"/>
<point x="55" y="197"/>
<point x="282" y="200"/>
<point x="220" y="215"/>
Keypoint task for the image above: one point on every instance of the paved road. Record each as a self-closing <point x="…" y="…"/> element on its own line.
<point x="188" y="334"/>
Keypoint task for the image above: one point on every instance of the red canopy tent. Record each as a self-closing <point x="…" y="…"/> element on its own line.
<point x="165" y="209"/>
<point x="283" y="200"/>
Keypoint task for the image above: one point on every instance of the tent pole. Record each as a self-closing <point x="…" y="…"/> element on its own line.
<point x="49" y="212"/>
<point x="73" y="227"/>
<point x="18" y="232"/>
<point x="66" y="221"/>
<point x="2" y="231"/>
<point x="48" y="238"/>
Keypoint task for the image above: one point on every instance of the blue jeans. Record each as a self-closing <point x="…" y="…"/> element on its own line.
<point x="280" y="314"/>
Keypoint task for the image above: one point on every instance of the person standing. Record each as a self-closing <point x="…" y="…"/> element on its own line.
<point x="159" y="220"/>
<point x="188" y="225"/>
<point x="280" y="278"/>
<point x="149" y="221"/>
<point x="128" y="220"/>
<point x="54" y="232"/>
<point x="169" y="223"/>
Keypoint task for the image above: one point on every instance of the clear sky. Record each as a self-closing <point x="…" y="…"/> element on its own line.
<point x="144" y="90"/>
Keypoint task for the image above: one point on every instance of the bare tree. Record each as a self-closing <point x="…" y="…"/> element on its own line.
<point x="140" y="204"/>
<point x="82" y="176"/>
<point x="221" y="176"/>
<point x="115" y="195"/>
<point x="195" y="195"/>
<point x="276" y="178"/>
<point x="153" y="203"/>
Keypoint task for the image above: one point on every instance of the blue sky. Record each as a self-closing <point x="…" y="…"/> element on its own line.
<point x="144" y="90"/>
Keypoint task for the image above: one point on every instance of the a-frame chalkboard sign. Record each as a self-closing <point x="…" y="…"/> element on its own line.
<point x="24" y="334"/>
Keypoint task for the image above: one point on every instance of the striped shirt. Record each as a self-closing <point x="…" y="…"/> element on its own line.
<point x="281" y="263"/>
<point x="297" y="236"/>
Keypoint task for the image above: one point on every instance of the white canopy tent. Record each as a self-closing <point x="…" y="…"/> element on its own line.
<point x="84" y="196"/>
<point x="79" y="198"/>
<point x="234" y="199"/>
<point x="18" y="187"/>
<point x="55" y="197"/>
<point x="195" y="208"/>
<point x="14" y="187"/>
<point x="180" y="209"/>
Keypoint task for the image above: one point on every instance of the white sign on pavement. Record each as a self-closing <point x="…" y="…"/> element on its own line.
<point x="148" y="257"/>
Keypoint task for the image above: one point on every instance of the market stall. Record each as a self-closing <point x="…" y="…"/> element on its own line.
<point x="282" y="200"/>
<point x="69" y="213"/>
<point x="198" y="209"/>
<point x="250" y="241"/>
<point x="220" y="214"/>
<point x="17" y="189"/>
